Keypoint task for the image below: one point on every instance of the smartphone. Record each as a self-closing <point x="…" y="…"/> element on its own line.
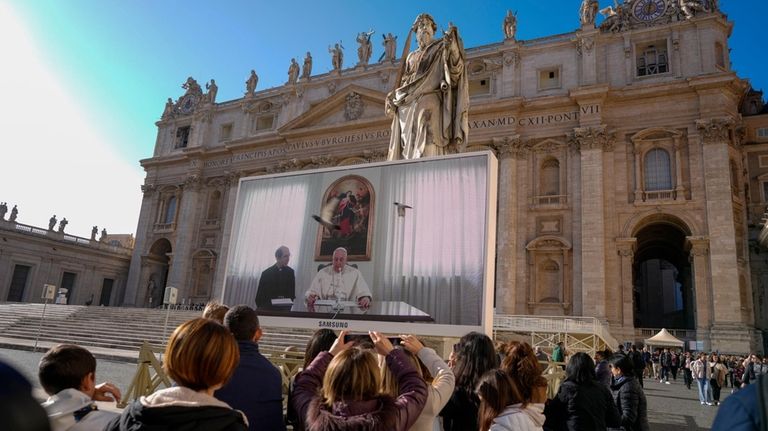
<point x="357" y="338"/>
<point x="365" y="338"/>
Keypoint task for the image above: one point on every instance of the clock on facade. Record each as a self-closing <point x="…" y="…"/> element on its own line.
<point x="649" y="10"/>
<point x="187" y="103"/>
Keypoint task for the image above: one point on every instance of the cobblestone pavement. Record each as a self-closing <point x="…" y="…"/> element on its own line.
<point x="670" y="407"/>
<point x="674" y="407"/>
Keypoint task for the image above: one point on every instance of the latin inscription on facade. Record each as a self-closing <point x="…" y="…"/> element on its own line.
<point x="299" y="146"/>
<point x="534" y="120"/>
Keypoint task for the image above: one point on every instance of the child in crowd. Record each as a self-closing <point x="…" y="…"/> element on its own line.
<point x="340" y="389"/>
<point x="68" y="374"/>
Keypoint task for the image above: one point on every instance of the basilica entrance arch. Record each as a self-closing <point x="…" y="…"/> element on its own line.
<point x="154" y="272"/>
<point x="663" y="287"/>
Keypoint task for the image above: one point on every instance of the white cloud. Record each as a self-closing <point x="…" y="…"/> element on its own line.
<point x="53" y="160"/>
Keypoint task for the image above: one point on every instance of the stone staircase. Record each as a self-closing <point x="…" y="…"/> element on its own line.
<point x="112" y="327"/>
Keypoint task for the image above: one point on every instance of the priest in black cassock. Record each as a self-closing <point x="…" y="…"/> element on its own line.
<point x="277" y="281"/>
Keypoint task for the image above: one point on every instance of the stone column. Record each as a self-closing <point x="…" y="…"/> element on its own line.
<point x="145" y="227"/>
<point x="585" y="44"/>
<point x="232" y="180"/>
<point x="626" y="249"/>
<point x="699" y="249"/>
<point x="509" y="297"/>
<point x="590" y="142"/>
<point x="730" y="331"/>
<point x="639" y="175"/>
<point x="679" y="190"/>
<point x="187" y="217"/>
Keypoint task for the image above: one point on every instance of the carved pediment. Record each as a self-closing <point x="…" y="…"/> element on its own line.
<point x="549" y="242"/>
<point x="351" y="104"/>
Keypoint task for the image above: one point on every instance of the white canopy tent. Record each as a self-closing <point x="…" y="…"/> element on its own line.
<point x="664" y="338"/>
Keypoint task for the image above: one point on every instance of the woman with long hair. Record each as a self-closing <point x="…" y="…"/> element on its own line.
<point x="522" y="367"/>
<point x="340" y="389"/>
<point x="717" y="372"/>
<point x="628" y="395"/>
<point x="582" y="402"/>
<point x="502" y="407"/>
<point x="321" y="341"/>
<point x="436" y="374"/>
<point x="473" y="356"/>
<point x="201" y="356"/>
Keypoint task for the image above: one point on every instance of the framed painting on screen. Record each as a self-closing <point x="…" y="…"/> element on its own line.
<point x="350" y="202"/>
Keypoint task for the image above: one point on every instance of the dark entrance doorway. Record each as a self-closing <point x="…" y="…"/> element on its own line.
<point x="663" y="282"/>
<point x="18" y="283"/>
<point x="106" y="291"/>
<point x="157" y="264"/>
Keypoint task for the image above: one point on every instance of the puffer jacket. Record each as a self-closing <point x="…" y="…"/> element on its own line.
<point x="179" y="408"/>
<point x="630" y="400"/>
<point x="381" y="413"/>
<point x="587" y="406"/>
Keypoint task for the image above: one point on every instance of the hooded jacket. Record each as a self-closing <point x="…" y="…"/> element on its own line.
<point x="519" y="418"/>
<point x="381" y="413"/>
<point x="179" y="409"/>
<point x="73" y="410"/>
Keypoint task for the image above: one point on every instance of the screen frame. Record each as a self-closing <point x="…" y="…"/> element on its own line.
<point x="433" y="329"/>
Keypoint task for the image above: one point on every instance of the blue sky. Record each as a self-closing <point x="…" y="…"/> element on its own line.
<point x="85" y="80"/>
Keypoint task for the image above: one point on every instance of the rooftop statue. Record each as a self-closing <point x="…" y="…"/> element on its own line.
<point x="307" y="71"/>
<point x="337" y="56"/>
<point x="510" y="25"/>
<point x="390" y="47"/>
<point x="430" y="102"/>
<point x="293" y="72"/>
<point x="364" y="50"/>
<point x="588" y="11"/>
<point x="212" y="90"/>
<point x="250" y="84"/>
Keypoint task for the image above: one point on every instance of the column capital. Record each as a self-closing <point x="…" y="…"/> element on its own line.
<point x="371" y="156"/>
<point x="511" y="146"/>
<point x="698" y="245"/>
<point x="148" y="189"/>
<point x="626" y="246"/>
<point x="591" y="138"/>
<point x="193" y="182"/>
<point x="232" y="177"/>
<point x="715" y="130"/>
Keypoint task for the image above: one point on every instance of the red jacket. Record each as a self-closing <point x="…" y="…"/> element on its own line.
<point x="382" y="413"/>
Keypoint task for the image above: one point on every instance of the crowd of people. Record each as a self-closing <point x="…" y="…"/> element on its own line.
<point x="374" y="382"/>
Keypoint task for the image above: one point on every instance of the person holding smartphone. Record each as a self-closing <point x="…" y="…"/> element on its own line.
<point x="340" y="388"/>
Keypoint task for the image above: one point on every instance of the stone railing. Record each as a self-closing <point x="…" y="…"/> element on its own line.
<point x="61" y="236"/>
<point x="547" y="200"/>
<point x="659" y="195"/>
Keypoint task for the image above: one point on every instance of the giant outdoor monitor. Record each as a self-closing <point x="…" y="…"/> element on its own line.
<point x="420" y="233"/>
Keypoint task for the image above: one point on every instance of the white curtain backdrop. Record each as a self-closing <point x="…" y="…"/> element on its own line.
<point x="269" y="213"/>
<point x="433" y="257"/>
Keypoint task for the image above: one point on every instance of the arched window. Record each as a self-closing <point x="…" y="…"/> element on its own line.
<point x="658" y="175"/>
<point x="170" y="210"/>
<point x="549" y="181"/>
<point x="214" y="203"/>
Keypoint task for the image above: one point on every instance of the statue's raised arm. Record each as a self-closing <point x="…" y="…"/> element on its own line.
<point x="430" y="102"/>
